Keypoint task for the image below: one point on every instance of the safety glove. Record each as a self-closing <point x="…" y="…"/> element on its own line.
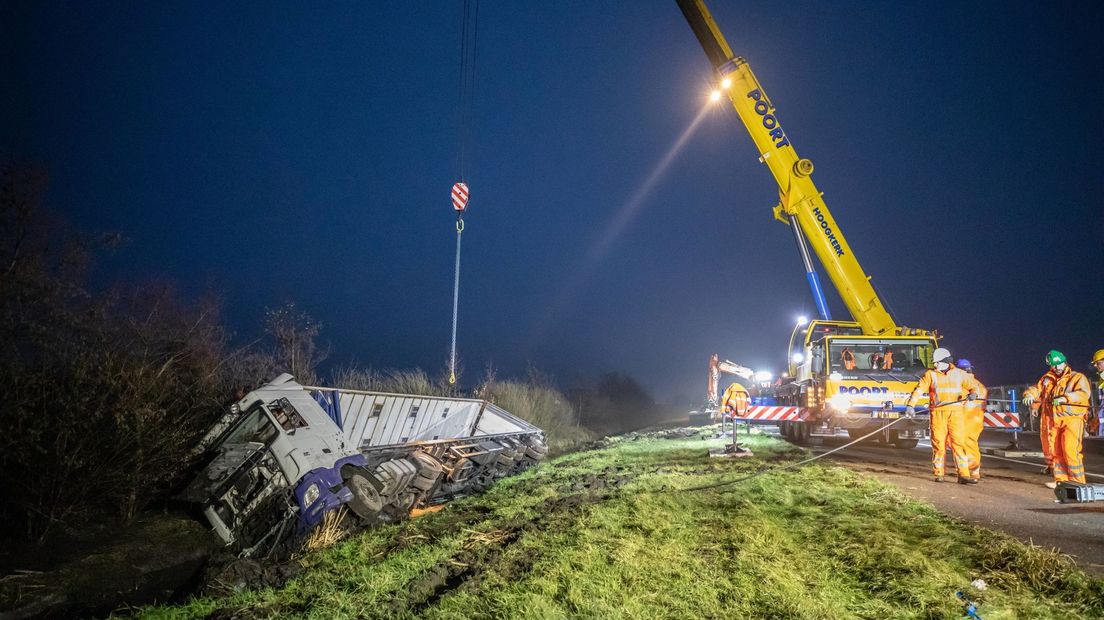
<point x="971" y="396"/>
<point x="1028" y="400"/>
<point x="1059" y="400"/>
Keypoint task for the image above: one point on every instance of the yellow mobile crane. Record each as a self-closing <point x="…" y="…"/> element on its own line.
<point x="846" y="374"/>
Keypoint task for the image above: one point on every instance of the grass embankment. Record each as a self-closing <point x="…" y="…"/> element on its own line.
<point x="612" y="533"/>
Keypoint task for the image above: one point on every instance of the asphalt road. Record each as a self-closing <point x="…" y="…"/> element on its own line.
<point x="1011" y="496"/>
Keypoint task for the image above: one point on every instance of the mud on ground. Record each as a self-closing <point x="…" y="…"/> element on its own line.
<point x="159" y="558"/>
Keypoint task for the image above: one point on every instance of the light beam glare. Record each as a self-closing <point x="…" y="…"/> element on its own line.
<point x="617" y="225"/>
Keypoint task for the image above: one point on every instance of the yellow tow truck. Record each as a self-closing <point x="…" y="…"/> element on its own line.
<point x="854" y="375"/>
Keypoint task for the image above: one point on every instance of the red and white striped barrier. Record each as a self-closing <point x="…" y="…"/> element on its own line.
<point x="762" y="413"/>
<point x="1002" y="419"/>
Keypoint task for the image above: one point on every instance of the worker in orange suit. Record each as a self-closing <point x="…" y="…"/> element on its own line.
<point x="887" y="359"/>
<point x="947" y="388"/>
<point x="735" y="400"/>
<point x="1063" y="396"/>
<point x="974" y="419"/>
<point x="1044" y="437"/>
<point x="1095" y="421"/>
<point x="848" y="358"/>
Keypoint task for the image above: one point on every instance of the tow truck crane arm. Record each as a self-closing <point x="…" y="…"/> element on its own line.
<point x="800" y="205"/>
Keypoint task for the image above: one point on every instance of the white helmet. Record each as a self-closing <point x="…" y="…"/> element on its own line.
<point x="942" y="355"/>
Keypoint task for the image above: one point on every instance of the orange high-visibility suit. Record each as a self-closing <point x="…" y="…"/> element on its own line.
<point x="946" y="419"/>
<point x="974" y="421"/>
<point x="887" y="361"/>
<point x="1066" y="421"/>
<point x="848" y="358"/>
<point x="1044" y="436"/>
<point x="735" y="400"/>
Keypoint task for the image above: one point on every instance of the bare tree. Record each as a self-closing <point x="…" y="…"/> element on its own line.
<point x="295" y="334"/>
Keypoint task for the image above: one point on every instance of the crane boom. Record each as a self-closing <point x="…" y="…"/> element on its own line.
<point x="800" y="203"/>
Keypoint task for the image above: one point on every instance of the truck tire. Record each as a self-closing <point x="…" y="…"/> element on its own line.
<point x="463" y="470"/>
<point x="430" y="471"/>
<point x="424" y="483"/>
<point x="366" y="502"/>
<point x="905" y="443"/>
<point x="801" y="432"/>
<point x="537" y="450"/>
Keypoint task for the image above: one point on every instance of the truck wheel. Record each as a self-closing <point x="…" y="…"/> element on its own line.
<point x="402" y="504"/>
<point x="366" y="502"/>
<point x="462" y="470"/>
<point x="802" y="431"/>
<point x="905" y="443"/>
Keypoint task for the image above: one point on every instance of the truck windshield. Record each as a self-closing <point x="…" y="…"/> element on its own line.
<point x="879" y="358"/>
<point x="254" y="427"/>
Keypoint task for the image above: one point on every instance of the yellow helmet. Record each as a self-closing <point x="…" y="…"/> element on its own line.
<point x="1099" y="355"/>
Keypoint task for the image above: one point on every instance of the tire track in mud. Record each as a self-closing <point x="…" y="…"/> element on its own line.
<point x="494" y="550"/>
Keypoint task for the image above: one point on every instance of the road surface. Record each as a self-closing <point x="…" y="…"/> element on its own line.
<point x="1010" y="498"/>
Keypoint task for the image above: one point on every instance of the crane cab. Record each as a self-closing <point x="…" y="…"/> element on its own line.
<point x="852" y="381"/>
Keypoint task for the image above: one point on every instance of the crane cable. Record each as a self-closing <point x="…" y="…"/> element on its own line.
<point x="768" y="470"/>
<point x="460" y="194"/>
<point x="468" y="39"/>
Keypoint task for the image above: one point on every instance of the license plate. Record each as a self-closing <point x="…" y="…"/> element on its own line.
<point x="885" y="415"/>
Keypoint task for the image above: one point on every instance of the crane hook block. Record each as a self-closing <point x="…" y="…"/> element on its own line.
<point x="803" y="167"/>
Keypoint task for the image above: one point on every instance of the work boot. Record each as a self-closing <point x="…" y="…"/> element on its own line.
<point x="937" y="479"/>
<point x="1051" y="485"/>
<point x="968" y="480"/>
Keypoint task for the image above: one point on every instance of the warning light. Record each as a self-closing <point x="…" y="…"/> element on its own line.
<point x="726" y="83"/>
<point x="715" y="95"/>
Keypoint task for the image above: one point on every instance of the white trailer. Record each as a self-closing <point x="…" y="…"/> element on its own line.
<point x="288" y="454"/>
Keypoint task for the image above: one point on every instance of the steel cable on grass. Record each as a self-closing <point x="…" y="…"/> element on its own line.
<point x="770" y="470"/>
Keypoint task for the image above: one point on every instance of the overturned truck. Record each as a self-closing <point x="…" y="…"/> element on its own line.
<point x="289" y="454"/>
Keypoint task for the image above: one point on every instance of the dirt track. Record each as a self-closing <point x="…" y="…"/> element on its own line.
<point x="1010" y="498"/>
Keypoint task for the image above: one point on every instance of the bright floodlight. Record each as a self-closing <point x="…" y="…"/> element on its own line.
<point x="801" y="320"/>
<point x="798" y="358"/>
<point x="715" y="95"/>
<point x="726" y="83"/>
<point x="840" y="402"/>
<point x="763" y="375"/>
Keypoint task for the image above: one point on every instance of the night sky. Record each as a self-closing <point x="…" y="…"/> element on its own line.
<point x="286" y="151"/>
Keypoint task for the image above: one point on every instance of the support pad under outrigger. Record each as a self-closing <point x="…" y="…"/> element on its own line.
<point x="1075" y="492"/>
<point x="734" y="449"/>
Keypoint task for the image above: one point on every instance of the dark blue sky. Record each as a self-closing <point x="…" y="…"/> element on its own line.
<point x="281" y="152"/>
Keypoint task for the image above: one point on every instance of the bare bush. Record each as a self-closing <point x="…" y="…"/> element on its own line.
<point x="540" y="403"/>
<point x="414" y="381"/>
<point x="104" y="394"/>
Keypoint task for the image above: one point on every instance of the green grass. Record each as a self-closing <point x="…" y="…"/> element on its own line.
<point x="613" y="533"/>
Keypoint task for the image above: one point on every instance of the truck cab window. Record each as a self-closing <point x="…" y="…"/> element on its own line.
<point x="253" y="427"/>
<point x="877" y="358"/>
<point x="286" y="414"/>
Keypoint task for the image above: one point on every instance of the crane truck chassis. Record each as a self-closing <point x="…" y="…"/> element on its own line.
<point x="288" y="454"/>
